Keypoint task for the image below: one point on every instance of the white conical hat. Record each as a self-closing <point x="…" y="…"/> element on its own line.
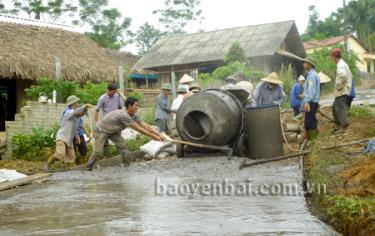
<point x="186" y="79"/>
<point x="324" y="78"/>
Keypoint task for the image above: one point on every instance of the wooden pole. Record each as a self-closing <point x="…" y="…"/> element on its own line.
<point x="23" y="181"/>
<point x="303" y="153"/>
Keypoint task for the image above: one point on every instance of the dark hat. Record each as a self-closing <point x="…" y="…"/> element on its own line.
<point x="112" y="86"/>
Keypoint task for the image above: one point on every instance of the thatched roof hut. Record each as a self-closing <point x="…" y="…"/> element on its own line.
<point x="30" y="52"/>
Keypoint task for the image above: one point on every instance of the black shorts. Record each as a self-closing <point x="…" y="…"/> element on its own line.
<point x="82" y="147"/>
<point x="311" y="122"/>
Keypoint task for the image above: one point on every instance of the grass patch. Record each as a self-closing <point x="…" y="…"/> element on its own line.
<point x="361" y="112"/>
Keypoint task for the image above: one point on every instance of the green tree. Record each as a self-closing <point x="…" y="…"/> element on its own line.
<point x="36" y="9"/>
<point x="146" y="36"/>
<point x="108" y="28"/>
<point x="177" y="14"/>
<point x="2" y="7"/>
<point x="235" y="53"/>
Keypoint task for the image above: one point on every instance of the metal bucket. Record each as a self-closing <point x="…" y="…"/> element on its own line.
<point x="264" y="135"/>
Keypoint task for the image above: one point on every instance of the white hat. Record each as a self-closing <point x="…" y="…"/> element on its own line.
<point x="324" y="78"/>
<point x="301" y="78"/>
<point x="186" y="79"/>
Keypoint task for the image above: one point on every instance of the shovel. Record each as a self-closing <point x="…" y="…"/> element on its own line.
<point x="221" y="148"/>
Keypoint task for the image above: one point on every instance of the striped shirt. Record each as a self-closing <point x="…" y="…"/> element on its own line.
<point x="116" y="121"/>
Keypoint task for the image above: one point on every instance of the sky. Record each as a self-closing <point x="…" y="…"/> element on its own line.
<point x="221" y="14"/>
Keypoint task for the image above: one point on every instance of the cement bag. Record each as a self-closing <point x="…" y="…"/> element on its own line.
<point x="153" y="147"/>
<point x="10" y="175"/>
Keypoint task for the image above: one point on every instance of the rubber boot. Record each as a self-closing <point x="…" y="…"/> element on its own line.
<point x="90" y="163"/>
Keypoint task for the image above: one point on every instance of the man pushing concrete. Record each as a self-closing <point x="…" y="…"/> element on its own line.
<point x="110" y="127"/>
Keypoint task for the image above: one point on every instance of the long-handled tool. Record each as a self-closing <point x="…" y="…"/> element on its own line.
<point x="325" y="116"/>
<point x="301" y="153"/>
<point x="221" y="148"/>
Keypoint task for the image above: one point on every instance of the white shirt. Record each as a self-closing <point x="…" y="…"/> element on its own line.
<point x="343" y="83"/>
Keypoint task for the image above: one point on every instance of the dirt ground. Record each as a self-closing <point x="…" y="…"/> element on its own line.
<point x="349" y="174"/>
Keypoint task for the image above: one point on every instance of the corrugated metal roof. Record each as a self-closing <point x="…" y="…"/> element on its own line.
<point x="256" y="40"/>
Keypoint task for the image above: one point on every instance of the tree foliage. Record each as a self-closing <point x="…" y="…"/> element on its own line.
<point x="360" y="19"/>
<point x="108" y="28"/>
<point x="235" y="53"/>
<point x="177" y="14"/>
<point x="146" y="36"/>
<point x="38" y="9"/>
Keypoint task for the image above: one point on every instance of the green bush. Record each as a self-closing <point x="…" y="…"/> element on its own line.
<point x="31" y="147"/>
<point x="287" y="76"/>
<point x="135" y="144"/>
<point x="223" y="72"/>
<point x="91" y="92"/>
<point x="138" y="96"/>
<point x="46" y="85"/>
<point x="149" y="118"/>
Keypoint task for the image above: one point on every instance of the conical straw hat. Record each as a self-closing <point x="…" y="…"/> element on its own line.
<point x="324" y="78"/>
<point x="273" y="78"/>
<point x="186" y="79"/>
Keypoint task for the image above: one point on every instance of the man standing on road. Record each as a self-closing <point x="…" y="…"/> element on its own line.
<point x="311" y="98"/>
<point x="110" y="101"/>
<point x="110" y="127"/>
<point x="343" y="87"/>
<point x="163" y="111"/>
<point x="296" y="95"/>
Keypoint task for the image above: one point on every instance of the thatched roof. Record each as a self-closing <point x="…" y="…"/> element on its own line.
<point x="29" y="52"/>
<point x="122" y="58"/>
<point x="256" y="40"/>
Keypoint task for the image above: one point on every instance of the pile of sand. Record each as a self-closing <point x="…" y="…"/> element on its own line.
<point x="359" y="180"/>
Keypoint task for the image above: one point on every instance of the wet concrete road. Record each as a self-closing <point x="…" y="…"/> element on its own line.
<point x="124" y="201"/>
<point x="363" y="97"/>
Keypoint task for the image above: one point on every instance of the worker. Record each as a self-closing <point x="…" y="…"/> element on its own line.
<point x="351" y="95"/>
<point x="269" y="91"/>
<point x="229" y="83"/>
<point x="343" y="86"/>
<point x="186" y="81"/>
<point x="181" y="91"/>
<point x="108" y="102"/>
<point x="81" y="146"/>
<point x="311" y="99"/>
<point x="67" y="132"/>
<point x="110" y="127"/>
<point x="243" y="83"/>
<point x="296" y="95"/>
<point x="163" y="111"/>
<point x="194" y="89"/>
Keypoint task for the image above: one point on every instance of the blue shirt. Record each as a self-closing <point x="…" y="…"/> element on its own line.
<point x="311" y="88"/>
<point x="296" y="91"/>
<point x="80" y="127"/>
<point x="352" y="90"/>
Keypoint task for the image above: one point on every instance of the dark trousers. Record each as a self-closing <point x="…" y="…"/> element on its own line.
<point x="297" y="110"/>
<point x="340" y="111"/>
<point x="82" y="147"/>
<point x="349" y="101"/>
<point x="311" y="122"/>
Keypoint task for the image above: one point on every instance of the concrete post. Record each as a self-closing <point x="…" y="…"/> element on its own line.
<point x="121" y="81"/>
<point x="173" y="77"/>
<point x="372" y="66"/>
